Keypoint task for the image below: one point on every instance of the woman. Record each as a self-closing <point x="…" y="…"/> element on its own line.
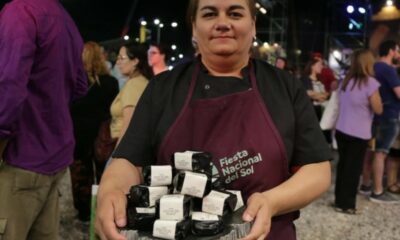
<point x="87" y="115"/>
<point x="359" y="99"/>
<point x="315" y="88"/>
<point x="132" y="62"/>
<point x="225" y="103"/>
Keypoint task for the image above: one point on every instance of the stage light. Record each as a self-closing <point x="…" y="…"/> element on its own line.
<point x="350" y="9"/>
<point x="389" y="3"/>
<point x="362" y="10"/>
<point x="174" y="24"/>
<point x="156" y="21"/>
<point x="126" y="37"/>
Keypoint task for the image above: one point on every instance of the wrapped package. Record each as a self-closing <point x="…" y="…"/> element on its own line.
<point x="173" y="207"/>
<point x="171" y="229"/>
<point x="206" y="224"/>
<point x="157" y="175"/>
<point x="219" y="203"/>
<point x="141" y="219"/>
<point x="192" y="184"/>
<point x="239" y="202"/>
<point x="218" y="184"/>
<point x="199" y="162"/>
<point x="145" y="196"/>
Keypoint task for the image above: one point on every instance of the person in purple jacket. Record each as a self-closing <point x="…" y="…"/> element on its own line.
<point x="41" y="72"/>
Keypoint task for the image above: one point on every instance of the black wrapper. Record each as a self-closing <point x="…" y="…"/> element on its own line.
<point x="229" y="204"/>
<point x="164" y="177"/>
<point x="200" y="162"/>
<point x="139" y="195"/>
<point x="197" y="190"/>
<point x="218" y="184"/>
<point x="182" y="230"/>
<point x="207" y="227"/>
<point x="171" y="208"/>
<point x="139" y="221"/>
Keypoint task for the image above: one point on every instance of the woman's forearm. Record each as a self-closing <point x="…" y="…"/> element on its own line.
<point x="308" y="183"/>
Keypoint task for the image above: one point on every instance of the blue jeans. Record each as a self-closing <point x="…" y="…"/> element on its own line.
<point x="385" y="132"/>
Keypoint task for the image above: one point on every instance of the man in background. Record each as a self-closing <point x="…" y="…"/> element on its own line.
<point x="41" y="72"/>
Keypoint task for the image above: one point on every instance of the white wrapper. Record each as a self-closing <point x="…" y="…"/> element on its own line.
<point x="214" y="203"/>
<point x="161" y="175"/>
<point x="194" y="184"/>
<point x="202" y="216"/>
<point x="171" y="207"/>
<point x="156" y="193"/>
<point x="164" y="229"/>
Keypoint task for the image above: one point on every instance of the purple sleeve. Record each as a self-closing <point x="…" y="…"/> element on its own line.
<point x="17" y="49"/>
<point x="373" y="85"/>
<point x="81" y="84"/>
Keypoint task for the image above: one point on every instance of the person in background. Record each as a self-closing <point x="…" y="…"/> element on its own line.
<point x="281" y="63"/>
<point x="157" y="55"/>
<point x="359" y="99"/>
<point x="88" y="113"/>
<point x="393" y="167"/>
<point x="131" y="62"/>
<point x="224" y="102"/>
<point x="386" y="126"/>
<point x="41" y="72"/>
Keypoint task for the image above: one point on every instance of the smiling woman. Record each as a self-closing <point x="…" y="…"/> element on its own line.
<point x="224" y="103"/>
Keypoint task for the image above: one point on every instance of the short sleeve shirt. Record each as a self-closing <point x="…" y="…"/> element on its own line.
<point x="127" y="97"/>
<point x="355" y="113"/>
<point x="284" y="96"/>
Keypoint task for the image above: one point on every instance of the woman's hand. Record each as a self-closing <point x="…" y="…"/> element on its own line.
<point x="110" y="214"/>
<point x="258" y="210"/>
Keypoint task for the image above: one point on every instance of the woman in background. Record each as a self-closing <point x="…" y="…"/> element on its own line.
<point x="132" y="62"/>
<point x="359" y="99"/>
<point x="88" y="113"/>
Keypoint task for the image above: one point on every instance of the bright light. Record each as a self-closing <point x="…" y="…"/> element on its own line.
<point x="298" y="52"/>
<point x="255" y="44"/>
<point x="389" y="3"/>
<point x="174" y="24"/>
<point x="170" y="68"/>
<point x="350" y="9"/>
<point x="143" y="23"/>
<point x="258" y="5"/>
<point x="156" y="21"/>
<point x="173" y="47"/>
<point x="126" y="37"/>
<point x="180" y="56"/>
<point x="362" y="10"/>
<point x="161" y="25"/>
<point x="263" y="10"/>
<point x="266" y="45"/>
<point x="337" y="54"/>
<point x="351" y="26"/>
<point x="276" y="45"/>
<point x="173" y="59"/>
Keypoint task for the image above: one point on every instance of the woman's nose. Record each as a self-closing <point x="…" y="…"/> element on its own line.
<point x="223" y="24"/>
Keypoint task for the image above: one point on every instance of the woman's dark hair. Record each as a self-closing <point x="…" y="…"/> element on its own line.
<point x="194" y="4"/>
<point x="134" y="50"/>
<point x="310" y="63"/>
<point x="361" y="67"/>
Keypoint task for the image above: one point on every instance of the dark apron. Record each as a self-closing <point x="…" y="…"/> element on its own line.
<point x="246" y="147"/>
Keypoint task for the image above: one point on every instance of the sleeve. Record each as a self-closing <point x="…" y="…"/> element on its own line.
<point x="310" y="145"/>
<point x="131" y="93"/>
<point x="136" y="144"/>
<point x="373" y="85"/>
<point x="17" y="50"/>
<point x="81" y="84"/>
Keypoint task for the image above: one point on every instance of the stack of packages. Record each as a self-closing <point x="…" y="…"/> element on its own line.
<point x="196" y="206"/>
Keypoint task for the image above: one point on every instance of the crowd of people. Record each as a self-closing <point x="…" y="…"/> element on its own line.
<point x="107" y="121"/>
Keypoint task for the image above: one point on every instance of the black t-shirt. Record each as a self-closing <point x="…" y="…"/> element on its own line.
<point x="284" y="96"/>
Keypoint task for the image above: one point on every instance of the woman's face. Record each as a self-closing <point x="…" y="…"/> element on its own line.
<point x="223" y="27"/>
<point x="125" y="65"/>
<point x="317" y="67"/>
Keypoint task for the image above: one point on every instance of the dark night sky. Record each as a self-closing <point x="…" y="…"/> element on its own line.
<point x="102" y="20"/>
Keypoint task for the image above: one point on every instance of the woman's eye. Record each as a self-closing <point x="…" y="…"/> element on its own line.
<point x="208" y="14"/>
<point x="235" y="14"/>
